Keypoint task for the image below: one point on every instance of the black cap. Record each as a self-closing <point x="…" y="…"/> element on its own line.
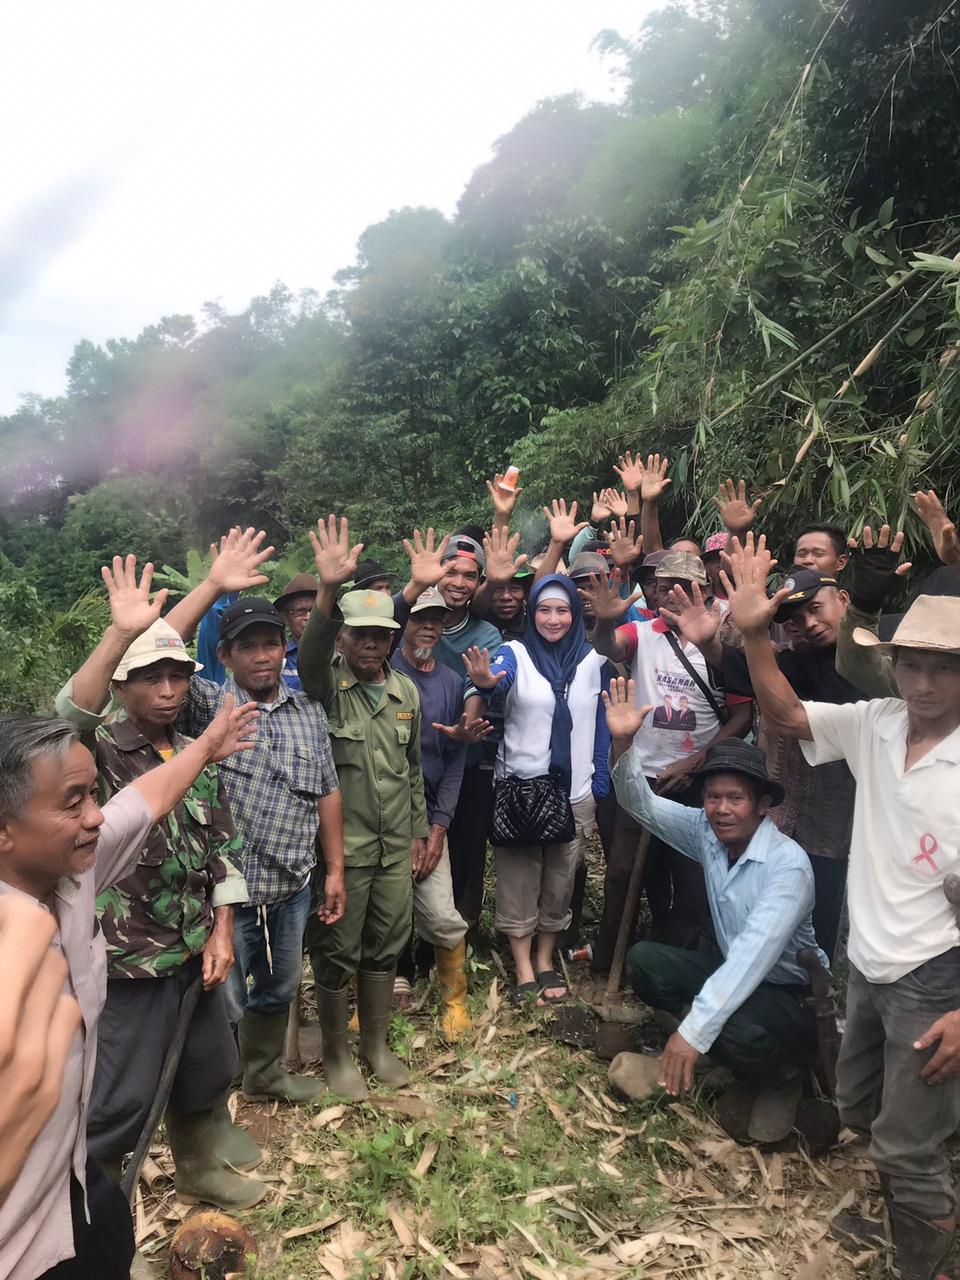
<point x="369" y="571"/>
<point x="803" y="585"/>
<point x="733" y="755"/>
<point x="250" y="611"/>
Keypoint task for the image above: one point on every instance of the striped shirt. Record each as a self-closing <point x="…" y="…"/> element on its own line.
<point x="274" y="788"/>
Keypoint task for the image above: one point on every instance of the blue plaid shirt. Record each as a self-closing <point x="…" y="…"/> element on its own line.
<point x="273" y="789"/>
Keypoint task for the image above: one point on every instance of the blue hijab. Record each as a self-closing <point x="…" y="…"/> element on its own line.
<point x="557" y="662"/>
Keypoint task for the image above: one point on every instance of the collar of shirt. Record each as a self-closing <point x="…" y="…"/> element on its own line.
<point x="758" y="848"/>
<point x="893" y="729"/>
<point x="128" y="737"/>
<point x="284" y="694"/>
<point x="659" y="625"/>
<point x="346" y="680"/>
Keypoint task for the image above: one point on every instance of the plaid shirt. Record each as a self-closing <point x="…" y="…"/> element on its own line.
<point x="273" y="789"/>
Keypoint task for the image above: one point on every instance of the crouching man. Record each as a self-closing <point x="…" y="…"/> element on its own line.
<point x="746" y="1006"/>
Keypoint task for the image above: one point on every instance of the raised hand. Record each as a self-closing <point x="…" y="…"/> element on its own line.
<point x="600" y="510"/>
<point x="467" y="729"/>
<point x="604" y="597"/>
<point x="654" y="482"/>
<point x="235" y="562"/>
<point x="876" y="566"/>
<point x="626" y="548"/>
<point x="630" y="470"/>
<point x="750" y="564"/>
<point x="616" y="502"/>
<point x="426" y="567"/>
<point x="232" y="729"/>
<point x="500" y="553"/>
<point x="690" y="615"/>
<point x="736" y="512"/>
<point x="563" y="524"/>
<point x="130" y="606"/>
<point x="333" y="555"/>
<point x="943" y="531"/>
<point x="624" y="717"/>
<point x="504" y="500"/>
<point x="477" y="663"/>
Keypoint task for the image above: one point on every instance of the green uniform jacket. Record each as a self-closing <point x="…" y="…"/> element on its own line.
<point x="870" y="669"/>
<point x="377" y="753"/>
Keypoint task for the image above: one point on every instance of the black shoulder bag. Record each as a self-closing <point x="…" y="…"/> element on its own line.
<point x="720" y="709"/>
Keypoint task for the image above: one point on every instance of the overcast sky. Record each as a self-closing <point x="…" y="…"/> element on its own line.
<point x="156" y="156"/>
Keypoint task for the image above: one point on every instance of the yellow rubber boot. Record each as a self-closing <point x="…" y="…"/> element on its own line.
<point x="453" y="990"/>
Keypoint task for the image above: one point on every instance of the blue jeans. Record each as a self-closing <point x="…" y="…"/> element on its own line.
<point x="268" y="960"/>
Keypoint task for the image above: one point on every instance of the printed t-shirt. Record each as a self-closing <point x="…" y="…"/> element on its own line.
<point x="682" y="721"/>
<point x="906" y="834"/>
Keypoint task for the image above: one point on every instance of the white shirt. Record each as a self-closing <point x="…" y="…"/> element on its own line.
<point x="906" y="834"/>
<point x="682" y="721"/>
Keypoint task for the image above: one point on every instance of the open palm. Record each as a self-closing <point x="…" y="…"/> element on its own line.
<point x="131" y="608"/>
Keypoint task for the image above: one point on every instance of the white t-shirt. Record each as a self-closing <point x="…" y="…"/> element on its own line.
<point x="906" y="834"/>
<point x="682" y="721"/>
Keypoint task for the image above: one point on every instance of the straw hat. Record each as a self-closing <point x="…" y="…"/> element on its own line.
<point x="931" y="622"/>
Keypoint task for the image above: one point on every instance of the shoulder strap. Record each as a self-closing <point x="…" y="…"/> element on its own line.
<point x="719" y="708"/>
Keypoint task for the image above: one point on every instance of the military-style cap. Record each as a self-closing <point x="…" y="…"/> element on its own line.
<point x="803" y="585"/>
<point x="368" y="609"/>
<point x="158" y="642"/>
<point x="683" y="565"/>
<point x="249" y="611"/>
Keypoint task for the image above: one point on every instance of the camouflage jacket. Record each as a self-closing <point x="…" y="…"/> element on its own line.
<point x="162" y="913"/>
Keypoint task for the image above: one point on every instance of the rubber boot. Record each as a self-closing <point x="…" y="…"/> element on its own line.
<point x="920" y="1247"/>
<point x="774" y="1111"/>
<point x="453" y="989"/>
<point x="339" y="1068"/>
<point x="233" y="1144"/>
<point x="199" y="1172"/>
<point x="374" y="998"/>
<point x="261" y="1037"/>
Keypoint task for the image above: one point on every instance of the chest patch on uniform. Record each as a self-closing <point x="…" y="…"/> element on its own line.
<point x="344" y="684"/>
<point x="404" y="715"/>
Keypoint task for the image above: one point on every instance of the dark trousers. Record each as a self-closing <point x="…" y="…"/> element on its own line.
<point x="104" y="1245"/>
<point x="879" y="1088"/>
<point x="136" y="1028"/>
<point x="674" y="885"/>
<point x="467" y="842"/>
<point x="830" y="880"/>
<point x="773" y="1028"/>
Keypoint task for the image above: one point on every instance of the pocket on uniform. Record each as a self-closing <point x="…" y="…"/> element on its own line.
<point x="349" y="743"/>
<point x="200" y="810"/>
<point x="403" y="734"/>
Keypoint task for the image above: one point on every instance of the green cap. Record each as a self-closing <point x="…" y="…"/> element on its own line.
<point x="368" y="609"/>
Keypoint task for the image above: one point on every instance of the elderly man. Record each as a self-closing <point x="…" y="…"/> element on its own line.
<point x="294" y="604"/>
<point x="445" y="732"/>
<point x="664" y="665"/>
<point x="900" y="1057"/>
<point x="168" y="923"/>
<point x="746" y="1005"/>
<point x="375" y="725"/>
<point x="63" y="1218"/>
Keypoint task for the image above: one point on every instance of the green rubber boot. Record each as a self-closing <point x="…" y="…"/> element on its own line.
<point x="200" y="1174"/>
<point x="233" y="1144"/>
<point x="339" y="1068"/>
<point x="261" y="1038"/>
<point x="374" y="998"/>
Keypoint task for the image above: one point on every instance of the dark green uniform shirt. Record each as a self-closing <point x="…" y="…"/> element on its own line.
<point x="377" y="752"/>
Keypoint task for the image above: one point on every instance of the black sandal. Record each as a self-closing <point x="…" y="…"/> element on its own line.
<point x="522" y="991"/>
<point x="549" y="978"/>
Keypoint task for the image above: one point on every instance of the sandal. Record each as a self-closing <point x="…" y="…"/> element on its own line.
<point x="522" y="991"/>
<point x="549" y="978"/>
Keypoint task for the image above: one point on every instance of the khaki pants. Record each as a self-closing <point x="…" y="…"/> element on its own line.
<point x="535" y="885"/>
<point x="437" y="920"/>
<point x="374" y="929"/>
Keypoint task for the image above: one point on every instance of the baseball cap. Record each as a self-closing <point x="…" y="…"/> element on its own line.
<point x="368" y="609"/>
<point x="370" y="571"/>
<point x="429" y="599"/>
<point x="469" y="548"/>
<point x="158" y="642"/>
<point x="803" y="585"/>
<point x="303" y="584"/>
<point x="716" y="543"/>
<point x="654" y="558"/>
<point x="249" y="611"/>
<point x="683" y="565"/>
<point x="589" y="564"/>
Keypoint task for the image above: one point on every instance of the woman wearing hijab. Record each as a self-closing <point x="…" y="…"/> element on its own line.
<point x="555" y="735"/>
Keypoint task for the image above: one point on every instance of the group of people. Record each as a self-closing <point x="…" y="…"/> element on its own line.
<point x="325" y="775"/>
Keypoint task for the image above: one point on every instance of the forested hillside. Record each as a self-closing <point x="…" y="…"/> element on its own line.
<point x="777" y="173"/>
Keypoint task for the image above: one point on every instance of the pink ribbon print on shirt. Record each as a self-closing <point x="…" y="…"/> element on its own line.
<point x="924" y="861"/>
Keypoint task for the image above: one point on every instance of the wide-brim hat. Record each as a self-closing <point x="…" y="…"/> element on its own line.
<point x="371" y="571"/>
<point x="158" y="643"/>
<point x="304" y="584"/>
<point x="733" y="755"/>
<point x="931" y="622"/>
